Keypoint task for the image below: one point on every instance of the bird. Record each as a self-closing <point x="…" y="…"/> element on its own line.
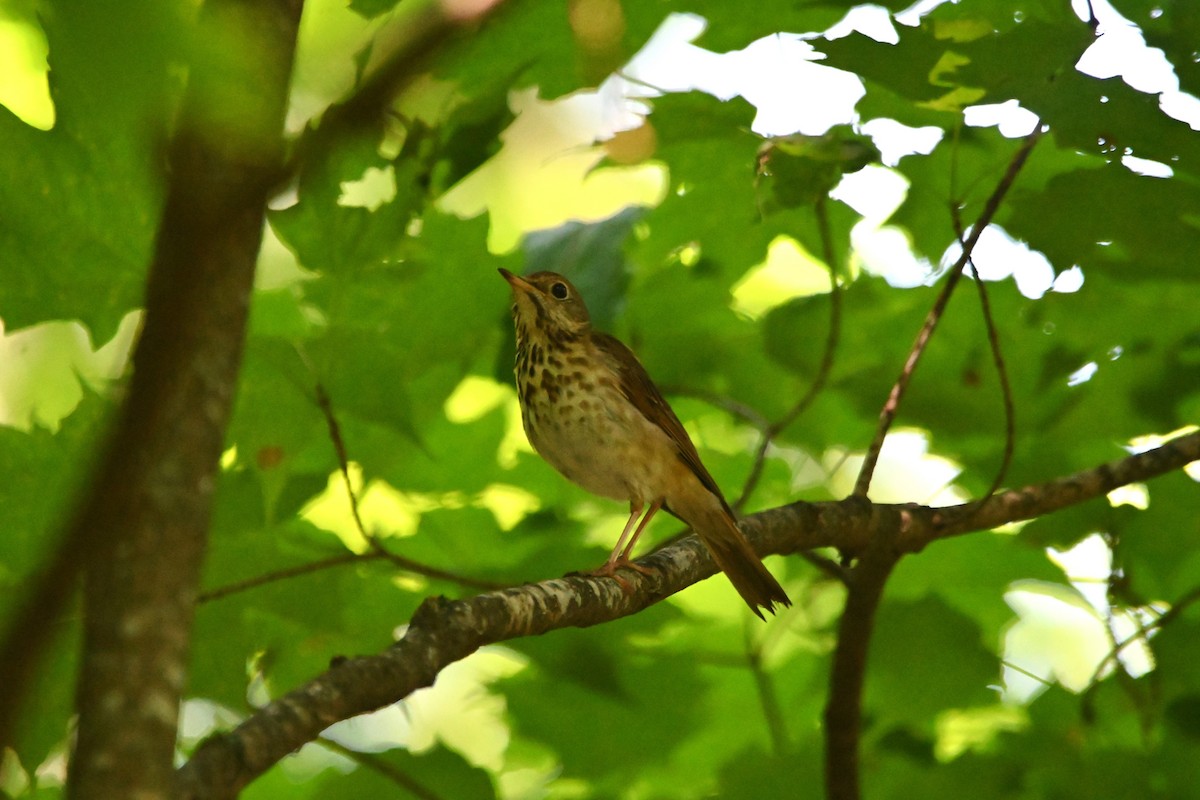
<point x="590" y="409"/>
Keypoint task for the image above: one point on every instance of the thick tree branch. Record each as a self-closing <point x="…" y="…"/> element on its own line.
<point x="843" y="707"/>
<point x="148" y="511"/>
<point x="443" y="631"/>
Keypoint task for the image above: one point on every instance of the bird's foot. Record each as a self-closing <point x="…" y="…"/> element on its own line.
<point x="610" y="567"/>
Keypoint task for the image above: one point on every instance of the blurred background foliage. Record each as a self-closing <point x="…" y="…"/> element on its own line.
<point x="628" y="145"/>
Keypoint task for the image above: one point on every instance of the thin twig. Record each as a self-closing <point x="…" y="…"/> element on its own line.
<point x="989" y="322"/>
<point x="377" y="764"/>
<point x="888" y="414"/>
<point x="1010" y="415"/>
<point x="440" y="574"/>
<point x="1118" y="591"/>
<point x="339" y="447"/>
<point x="741" y="410"/>
<point x="826" y="366"/>
<point x="282" y="574"/>
<point x="376" y="546"/>
<point x="827" y="565"/>
<point x="340" y="561"/>
<point x="843" y="712"/>
<point x="1142" y="634"/>
<point x="1018" y="668"/>
<point x="768" y="698"/>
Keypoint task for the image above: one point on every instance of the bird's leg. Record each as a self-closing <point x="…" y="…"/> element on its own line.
<point x="620" y="554"/>
<point x="654" y="507"/>
<point x="635" y="511"/>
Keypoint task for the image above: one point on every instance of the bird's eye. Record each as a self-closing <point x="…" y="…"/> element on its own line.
<point x="559" y="290"/>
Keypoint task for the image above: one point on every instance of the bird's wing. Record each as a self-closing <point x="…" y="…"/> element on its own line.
<point x="644" y="395"/>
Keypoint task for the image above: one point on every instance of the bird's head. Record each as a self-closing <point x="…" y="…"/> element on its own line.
<point x="546" y="305"/>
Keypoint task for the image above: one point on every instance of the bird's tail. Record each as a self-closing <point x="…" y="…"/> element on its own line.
<point x="733" y="554"/>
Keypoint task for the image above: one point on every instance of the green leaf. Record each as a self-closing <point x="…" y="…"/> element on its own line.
<point x="44" y="726"/>
<point x="331" y="237"/>
<point x="755" y="774"/>
<point x="804" y="169"/>
<point x="592" y="256"/>
<point x="1084" y="218"/>
<point x="504" y="45"/>
<point x="637" y="733"/>
<point x="81" y="201"/>
<point x="1068" y="526"/>
<point x="930" y="658"/>
<point x="1174" y="28"/>
<point x="436" y="773"/>
<point x="1175" y="647"/>
<point x="907" y="68"/>
<point x="35" y="468"/>
<point x="970" y="575"/>
<point x="1161" y="545"/>
<point x="898" y="775"/>
<point x="712" y="205"/>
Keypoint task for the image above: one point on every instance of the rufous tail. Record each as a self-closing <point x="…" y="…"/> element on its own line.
<point x="733" y="554"/>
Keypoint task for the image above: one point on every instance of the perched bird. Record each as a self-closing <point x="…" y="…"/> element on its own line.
<point x="590" y="409"/>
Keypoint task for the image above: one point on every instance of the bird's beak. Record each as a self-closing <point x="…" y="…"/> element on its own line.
<point x="516" y="281"/>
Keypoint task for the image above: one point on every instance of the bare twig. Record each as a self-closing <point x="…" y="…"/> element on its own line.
<point x="888" y="414"/>
<point x="340" y="561"/>
<point x="728" y="404"/>
<point x="1143" y="633"/>
<point x="339" y="448"/>
<point x="373" y="542"/>
<point x="768" y="698"/>
<point x="993" y="336"/>
<point x="283" y="574"/>
<point x="826" y="366"/>
<point x="438" y="573"/>
<point x="1018" y="668"/>
<point x="827" y="565"/>
<point x="377" y="764"/>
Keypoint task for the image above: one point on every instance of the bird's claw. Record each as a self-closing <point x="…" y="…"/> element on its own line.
<point x="609" y="570"/>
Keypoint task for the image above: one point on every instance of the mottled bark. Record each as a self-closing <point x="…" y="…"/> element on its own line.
<point x="148" y="511"/>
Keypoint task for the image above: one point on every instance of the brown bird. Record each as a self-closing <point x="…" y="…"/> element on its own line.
<point x="590" y="409"/>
